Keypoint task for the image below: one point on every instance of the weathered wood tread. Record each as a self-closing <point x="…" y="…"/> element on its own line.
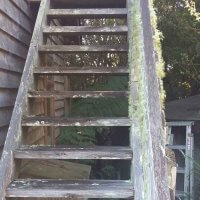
<point x="81" y="48"/>
<point x="180" y="194"/>
<point x="87" y="30"/>
<point x="74" y="153"/>
<point x="70" y="189"/>
<point x="63" y="121"/>
<point x="181" y="170"/>
<point x="177" y="147"/>
<point x="81" y="70"/>
<point x="88" y="13"/>
<point x="77" y="94"/>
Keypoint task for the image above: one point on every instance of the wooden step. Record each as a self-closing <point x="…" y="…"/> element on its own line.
<point x="64" y="121"/>
<point x="176" y="147"/>
<point x="180" y="170"/>
<point x="81" y="70"/>
<point x="74" y="153"/>
<point x="180" y="194"/>
<point x="85" y="30"/>
<point x="77" y="94"/>
<point x="82" y="48"/>
<point x="45" y="188"/>
<point x="88" y="13"/>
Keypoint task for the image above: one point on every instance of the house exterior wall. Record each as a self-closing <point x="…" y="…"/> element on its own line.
<point x="16" y="25"/>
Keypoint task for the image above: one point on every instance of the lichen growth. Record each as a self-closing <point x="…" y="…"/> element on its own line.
<point x="157" y="37"/>
<point x="138" y="100"/>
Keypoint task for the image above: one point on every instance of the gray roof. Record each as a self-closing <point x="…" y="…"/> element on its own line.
<point x="187" y="109"/>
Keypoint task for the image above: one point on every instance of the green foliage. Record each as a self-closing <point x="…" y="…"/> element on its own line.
<point x="180" y="47"/>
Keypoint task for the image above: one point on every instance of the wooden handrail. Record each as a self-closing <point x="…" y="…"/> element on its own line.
<point x="13" y="140"/>
<point x="149" y="175"/>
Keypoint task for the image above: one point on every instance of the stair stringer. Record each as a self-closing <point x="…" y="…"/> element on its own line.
<point x="13" y="140"/>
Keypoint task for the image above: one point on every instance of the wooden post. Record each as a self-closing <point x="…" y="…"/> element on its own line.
<point x="149" y="174"/>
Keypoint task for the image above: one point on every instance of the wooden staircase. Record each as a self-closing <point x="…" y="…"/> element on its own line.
<point x="65" y="188"/>
<point x="25" y="117"/>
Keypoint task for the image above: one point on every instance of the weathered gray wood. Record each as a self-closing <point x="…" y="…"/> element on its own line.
<point x="7" y="165"/>
<point x="11" y="63"/>
<point x="5" y="115"/>
<point x="176" y="147"/>
<point x="77" y="94"/>
<point x="7" y="97"/>
<point x="10" y="10"/>
<point x="9" y="79"/>
<point x="23" y="6"/>
<point x="58" y="121"/>
<point x="188" y="158"/>
<point x="9" y="45"/>
<point x="15" y="31"/>
<point x="3" y="134"/>
<point x="180" y="194"/>
<point x="180" y="170"/>
<point x="85" y="30"/>
<point x="88" y="13"/>
<point x="81" y="48"/>
<point x="180" y="123"/>
<point x="74" y="153"/>
<point x="70" y="189"/>
<point x="149" y="174"/>
<point x="81" y="70"/>
<point x="85" y="3"/>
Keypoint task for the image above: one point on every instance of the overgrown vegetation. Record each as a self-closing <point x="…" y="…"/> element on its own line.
<point x="180" y="46"/>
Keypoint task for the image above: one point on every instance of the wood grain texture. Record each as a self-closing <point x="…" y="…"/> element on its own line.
<point x="63" y="121"/>
<point x="7" y="97"/>
<point x="81" y="70"/>
<point x="77" y="94"/>
<point x="54" y="169"/>
<point x="88" y="13"/>
<point x="7" y="165"/>
<point x="85" y="30"/>
<point x="13" y="13"/>
<point x="70" y="189"/>
<point x="51" y="49"/>
<point x="74" y="153"/>
<point x="149" y="174"/>
<point x="86" y="3"/>
<point x="14" y="30"/>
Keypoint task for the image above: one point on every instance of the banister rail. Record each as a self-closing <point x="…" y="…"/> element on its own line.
<point x="13" y="140"/>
